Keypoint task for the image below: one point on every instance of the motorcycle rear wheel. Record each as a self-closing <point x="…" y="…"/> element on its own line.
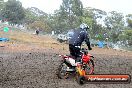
<point x="62" y="71"/>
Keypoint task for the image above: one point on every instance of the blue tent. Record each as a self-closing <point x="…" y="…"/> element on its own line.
<point x="4" y="39"/>
<point x="101" y="44"/>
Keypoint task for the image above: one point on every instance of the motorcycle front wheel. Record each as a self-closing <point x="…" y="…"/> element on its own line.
<point x="80" y="79"/>
<point x="89" y="68"/>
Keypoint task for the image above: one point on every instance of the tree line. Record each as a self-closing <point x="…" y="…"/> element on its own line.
<point x="113" y="25"/>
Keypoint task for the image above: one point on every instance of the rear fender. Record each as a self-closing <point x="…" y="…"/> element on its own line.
<point x="65" y="59"/>
<point x="63" y="56"/>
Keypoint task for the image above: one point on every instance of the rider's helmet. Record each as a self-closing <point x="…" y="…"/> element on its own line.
<point x="84" y="26"/>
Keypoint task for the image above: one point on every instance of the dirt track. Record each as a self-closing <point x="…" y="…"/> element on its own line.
<point x="26" y="66"/>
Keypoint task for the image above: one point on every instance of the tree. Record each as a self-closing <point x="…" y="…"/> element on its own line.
<point x="40" y="25"/>
<point x="129" y="20"/>
<point x="29" y="17"/>
<point x="37" y="19"/>
<point x="34" y="14"/>
<point x="114" y="21"/>
<point x="91" y="17"/>
<point x="76" y="7"/>
<point x="126" y="37"/>
<point x="13" y="11"/>
<point x="69" y="14"/>
<point x="1" y="4"/>
<point x="115" y="24"/>
<point x="1" y="7"/>
<point x="55" y="22"/>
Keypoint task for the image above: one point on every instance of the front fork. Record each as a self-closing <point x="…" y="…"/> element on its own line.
<point x="80" y="74"/>
<point x="80" y="70"/>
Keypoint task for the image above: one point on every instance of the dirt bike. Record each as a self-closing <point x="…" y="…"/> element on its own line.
<point x="69" y="66"/>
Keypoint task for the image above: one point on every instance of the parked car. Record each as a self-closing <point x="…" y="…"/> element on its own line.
<point x="62" y="38"/>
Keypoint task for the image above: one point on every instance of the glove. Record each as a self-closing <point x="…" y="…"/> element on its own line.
<point x="89" y="48"/>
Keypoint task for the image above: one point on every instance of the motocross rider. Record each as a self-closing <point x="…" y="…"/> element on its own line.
<point x="76" y="40"/>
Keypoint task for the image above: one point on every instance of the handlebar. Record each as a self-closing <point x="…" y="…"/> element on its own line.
<point x="85" y="51"/>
